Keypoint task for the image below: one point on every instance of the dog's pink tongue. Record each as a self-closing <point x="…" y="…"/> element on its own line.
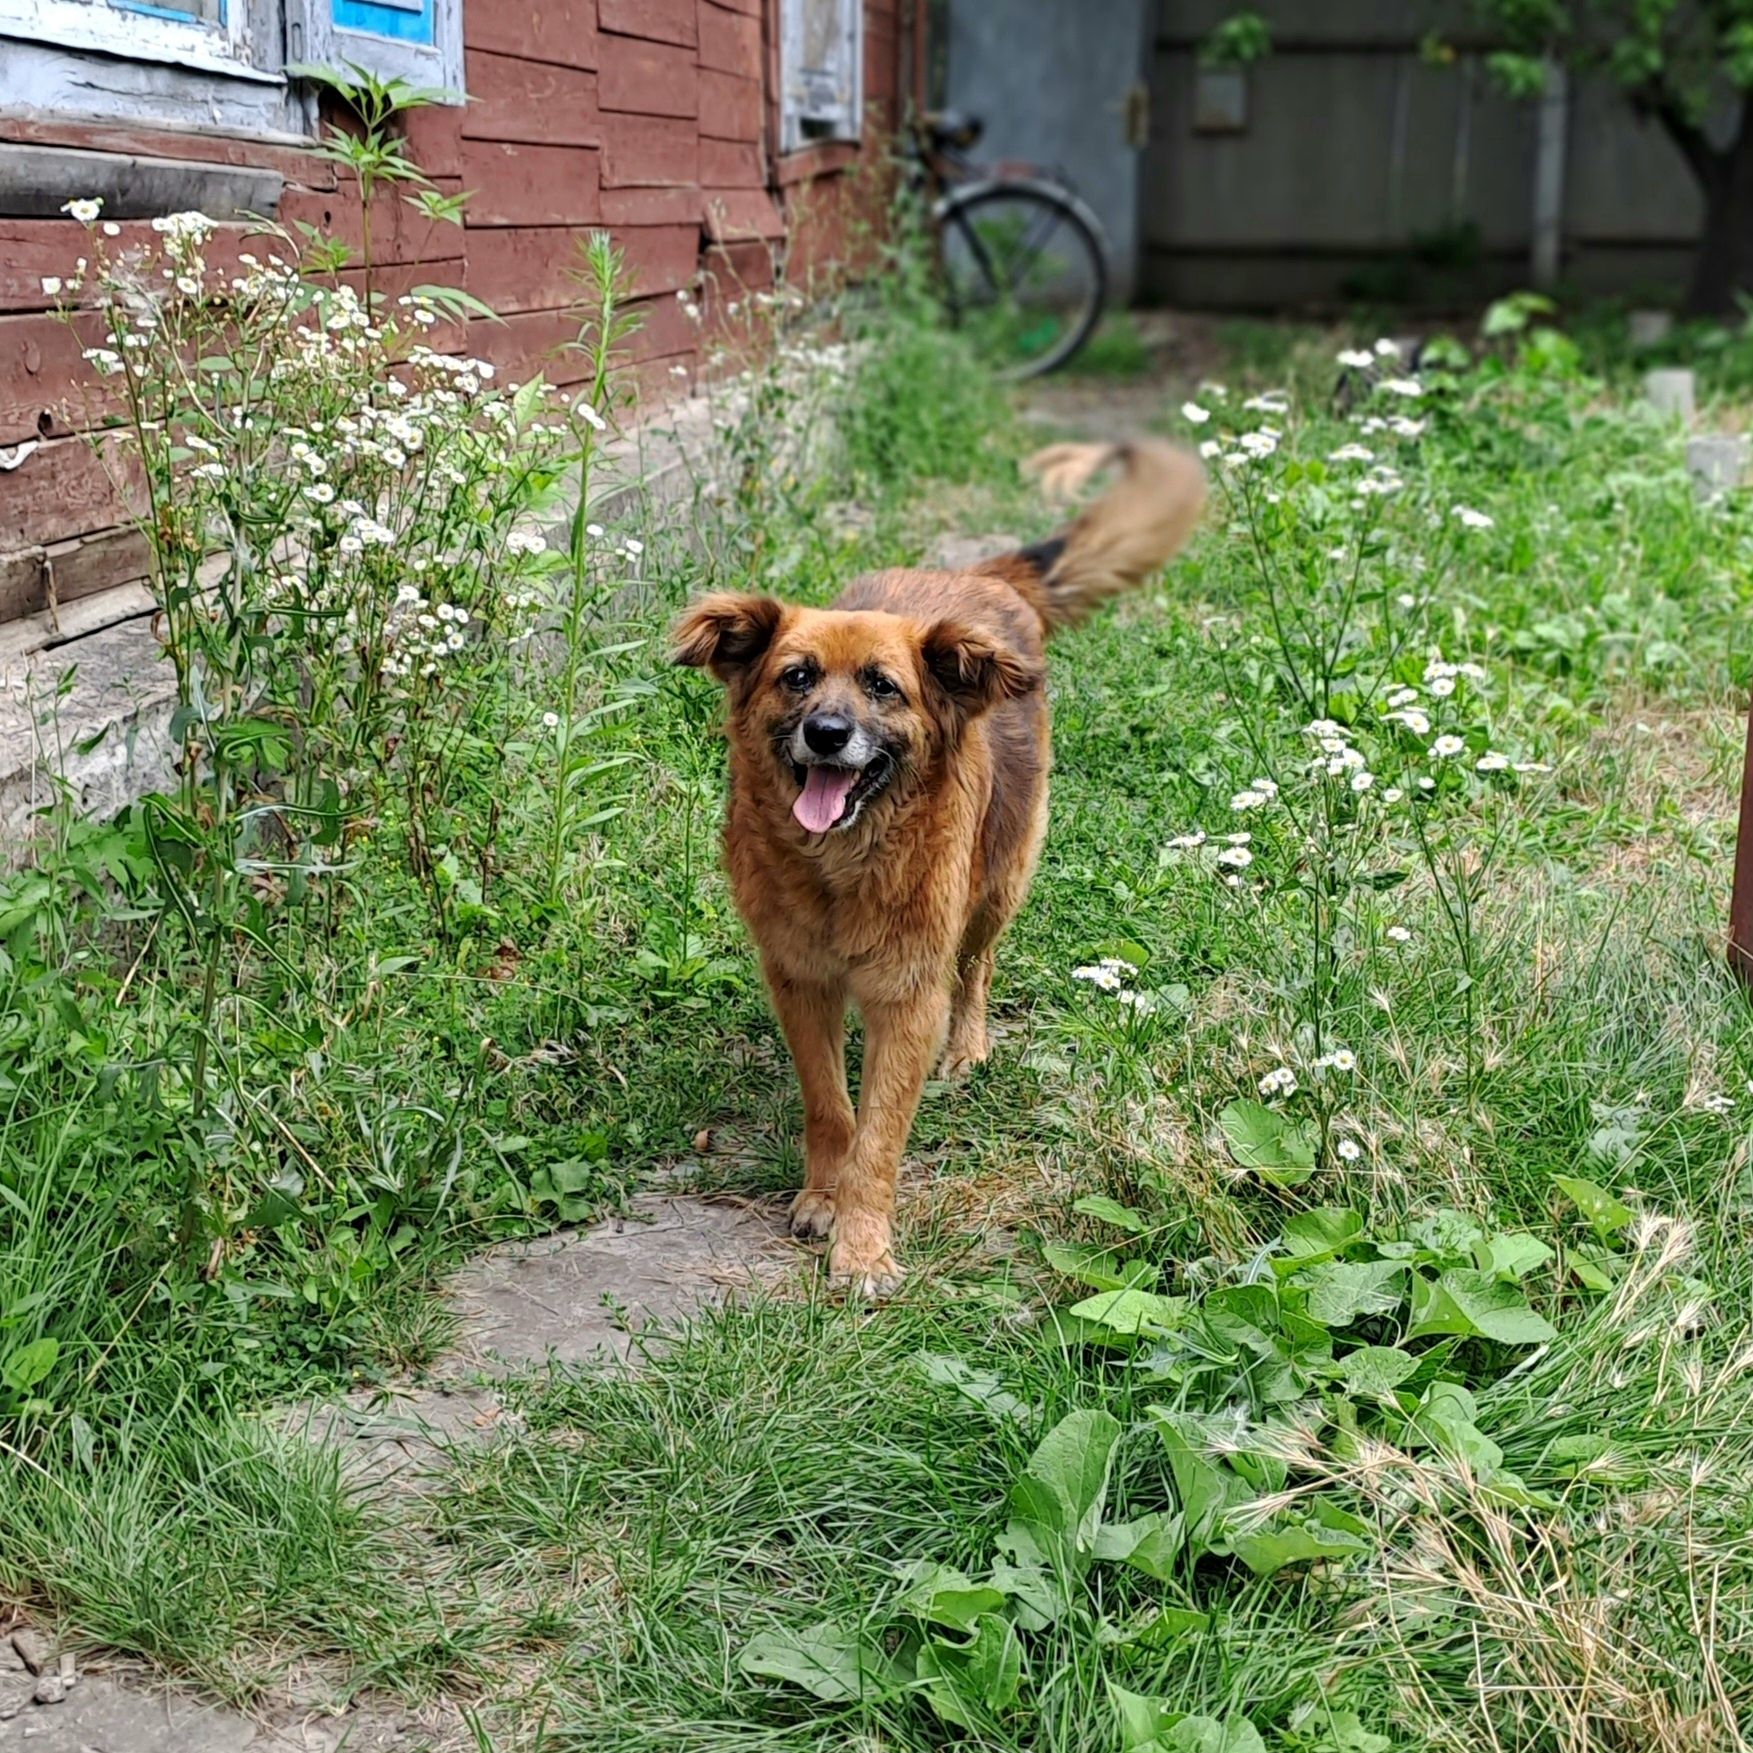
<point x="823" y="798"/>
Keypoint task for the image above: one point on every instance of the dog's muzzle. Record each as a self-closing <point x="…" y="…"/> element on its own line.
<point x="837" y="765"/>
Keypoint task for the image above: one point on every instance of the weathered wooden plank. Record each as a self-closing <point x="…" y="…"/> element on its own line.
<point x="656" y="205"/>
<point x="34" y="180"/>
<point x="434" y="136"/>
<point x="730" y="108"/>
<point x="530" y="101"/>
<point x="293" y="161"/>
<point x="732" y="164"/>
<point x="537" y="269"/>
<point x="399" y="234"/>
<point x="527" y="269"/>
<point x="665" y="328"/>
<point x="34" y="250"/>
<point x="735" y="214"/>
<point x="46" y="388"/>
<point x="731" y="42"/>
<point x="530" y="185"/>
<point x="66" y="572"/>
<point x="63" y="488"/>
<point x="531" y="342"/>
<point x="666" y="21"/>
<point x="660" y="258"/>
<point x="645" y="78"/>
<point x="649" y="150"/>
<point x="561" y="31"/>
<point x="828" y="158"/>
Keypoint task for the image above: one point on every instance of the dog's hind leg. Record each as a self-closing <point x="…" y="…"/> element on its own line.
<point x="813" y="1016"/>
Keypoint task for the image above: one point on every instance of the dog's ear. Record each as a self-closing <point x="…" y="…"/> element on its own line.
<point x="975" y="671"/>
<point x="726" y="632"/>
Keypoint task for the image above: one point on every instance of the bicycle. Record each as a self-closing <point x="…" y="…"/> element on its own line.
<point x="1022" y="263"/>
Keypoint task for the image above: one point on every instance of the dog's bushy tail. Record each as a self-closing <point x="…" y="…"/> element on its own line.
<point x="1115" y="544"/>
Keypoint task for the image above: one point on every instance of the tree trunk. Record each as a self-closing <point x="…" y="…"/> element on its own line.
<point x="1725" y="251"/>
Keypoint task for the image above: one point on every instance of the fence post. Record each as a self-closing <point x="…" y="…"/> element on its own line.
<point x="1741" y="901"/>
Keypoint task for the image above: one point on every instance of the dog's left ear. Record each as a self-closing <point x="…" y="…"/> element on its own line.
<point x="974" y="670"/>
<point x="726" y="632"/>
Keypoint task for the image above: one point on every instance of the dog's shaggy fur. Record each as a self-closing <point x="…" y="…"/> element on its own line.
<point x="888" y="766"/>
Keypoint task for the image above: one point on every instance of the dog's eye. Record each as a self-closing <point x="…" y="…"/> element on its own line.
<point x="880" y="687"/>
<point x="797" y="678"/>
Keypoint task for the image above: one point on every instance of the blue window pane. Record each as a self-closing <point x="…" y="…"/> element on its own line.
<point x="408" y="21"/>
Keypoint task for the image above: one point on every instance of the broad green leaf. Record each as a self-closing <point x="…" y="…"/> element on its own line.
<point x="1038" y="1595"/>
<point x="1593" y="1268"/>
<point x="1066" y="1478"/>
<point x="29" y="1364"/>
<point x="1097" y="1267"/>
<point x="1605" y="1213"/>
<point x="1150" y="1544"/>
<point x="1375" y="1370"/>
<point x="1098" y="1205"/>
<point x="1449" y="1237"/>
<point x="828" y="1660"/>
<point x="1143" y="1721"/>
<point x="944" y="1596"/>
<point x="1468" y="1303"/>
<point x="981" y="1386"/>
<point x="1206" y="1490"/>
<point x="1205" y="1734"/>
<point x="1131" y="1311"/>
<point x="965" y="1682"/>
<point x="1273" y="1145"/>
<point x="1157" y="1628"/>
<point x="1323" y="1232"/>
<point x="1269" y="1549"/>
<point x="1511" y="1257"/>
<point x="1342" y="1291"/>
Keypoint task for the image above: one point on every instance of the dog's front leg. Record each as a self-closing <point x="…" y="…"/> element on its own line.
<point x="813" y="1016"/>
<point x="901" y="1039"/>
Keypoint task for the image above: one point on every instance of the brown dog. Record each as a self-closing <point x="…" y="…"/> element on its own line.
<point x="888" y="770"/>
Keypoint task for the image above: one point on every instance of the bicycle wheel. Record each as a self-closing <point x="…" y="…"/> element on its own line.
<point x="1024" y="271"/>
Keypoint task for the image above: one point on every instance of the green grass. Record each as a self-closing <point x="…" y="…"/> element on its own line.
<point x="1566" y="1564"/>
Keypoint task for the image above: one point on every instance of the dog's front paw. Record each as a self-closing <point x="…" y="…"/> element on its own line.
<point x="861" y="1262"/>
<point x="812" y="1214"/>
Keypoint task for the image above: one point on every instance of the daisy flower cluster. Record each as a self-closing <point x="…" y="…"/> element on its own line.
<point x="1110" y="975"/>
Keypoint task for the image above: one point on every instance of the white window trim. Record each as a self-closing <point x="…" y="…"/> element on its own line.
<point x="793" y="137"/>
<point x="313" y="36"/>
<point x="138" y="36"/>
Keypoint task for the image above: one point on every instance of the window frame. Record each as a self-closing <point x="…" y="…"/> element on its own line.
<point x="437" y="65"/>
<point x="847" y="129"/>
<point x="135" y="30"/>
<point x="232" y="73"/>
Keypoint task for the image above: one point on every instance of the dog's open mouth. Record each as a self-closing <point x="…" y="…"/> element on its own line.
<point x="831" y="797"/>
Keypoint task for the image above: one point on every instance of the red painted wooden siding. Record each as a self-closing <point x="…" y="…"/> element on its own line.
<point x="657" y="119"/>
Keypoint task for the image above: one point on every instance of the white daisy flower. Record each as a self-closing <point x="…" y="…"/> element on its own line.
<point x="1446" y="747"/>
<point x="1196" y="414"/>
<point x="1473" y="520"/>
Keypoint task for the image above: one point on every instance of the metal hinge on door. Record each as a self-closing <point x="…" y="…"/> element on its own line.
<point x="1137" y="116"/>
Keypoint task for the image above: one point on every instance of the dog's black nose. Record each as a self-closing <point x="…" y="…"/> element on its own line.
<point x="827" y="733"/>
